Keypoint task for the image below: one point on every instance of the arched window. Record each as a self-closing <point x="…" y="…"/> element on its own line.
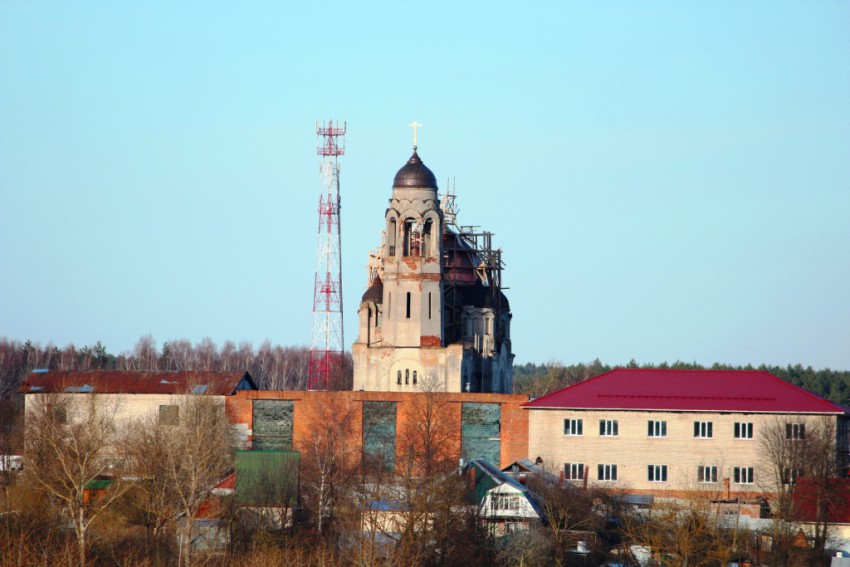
<point x="414" y="377"/>
<point x="408" y="305"/>
<point x="398" y="378"/>
<point x="429" y="305"/>
<point x="412" y="238"/>
<point x="391" y="236"/>
<point x="428" y="240"/>
<point x="406" y="376"/>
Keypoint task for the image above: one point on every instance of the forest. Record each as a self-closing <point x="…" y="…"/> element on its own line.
<point x="275" y="367"/>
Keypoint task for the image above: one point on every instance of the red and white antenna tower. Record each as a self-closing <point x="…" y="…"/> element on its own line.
<point x="326" y="347"/>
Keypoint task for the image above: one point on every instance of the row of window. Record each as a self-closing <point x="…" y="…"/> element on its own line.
<point x="702" y="429"/>
<point x="658" y="473"/>
<point x="406" y="377"/>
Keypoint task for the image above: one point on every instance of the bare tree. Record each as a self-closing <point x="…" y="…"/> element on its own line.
<point x="197" y="454"/>
<point x="806" y="449"/>
<point x="685" y="532"/>
<point x="330" y="455"/>
<point x="71" y="441"/>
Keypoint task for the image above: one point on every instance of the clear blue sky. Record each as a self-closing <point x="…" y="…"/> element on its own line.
<point x="668" y="180"/>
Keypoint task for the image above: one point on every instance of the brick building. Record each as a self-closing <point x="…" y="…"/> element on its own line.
<point x="488" y="426"/>
<point x="673" y="432"/>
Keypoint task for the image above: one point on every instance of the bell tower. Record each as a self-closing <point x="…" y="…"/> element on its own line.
<point x="427" y="319"/>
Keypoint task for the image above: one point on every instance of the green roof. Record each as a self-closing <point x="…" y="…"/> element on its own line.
<point x="267" y="478"/>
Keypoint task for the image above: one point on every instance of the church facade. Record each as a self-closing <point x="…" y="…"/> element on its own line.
<point x="434" y="316"/>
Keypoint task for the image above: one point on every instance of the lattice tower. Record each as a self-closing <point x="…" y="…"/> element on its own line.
<point x="326" y="348"/>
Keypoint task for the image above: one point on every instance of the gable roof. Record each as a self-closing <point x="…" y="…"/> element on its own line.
<point x="649" y="389"/>
<point x="136" y="382"/>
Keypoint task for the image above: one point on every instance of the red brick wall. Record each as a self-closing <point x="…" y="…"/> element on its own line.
<point x="347" y="408"/>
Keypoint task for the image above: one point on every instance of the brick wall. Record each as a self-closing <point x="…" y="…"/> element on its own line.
<point x="346" y="407"/>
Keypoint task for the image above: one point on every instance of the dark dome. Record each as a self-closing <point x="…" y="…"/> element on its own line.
<point x="375" y="293"/>
<point x="415" y="174"/>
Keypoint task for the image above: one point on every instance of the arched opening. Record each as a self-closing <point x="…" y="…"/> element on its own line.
<point x="391" y="236"/>
<point x="412" y="238"/>
<point x="428" y="240"/>
<point x="408" y="305"/>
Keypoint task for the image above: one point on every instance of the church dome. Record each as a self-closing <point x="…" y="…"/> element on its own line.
<point x="415" y="174"/>
<point x="375" y="293"/>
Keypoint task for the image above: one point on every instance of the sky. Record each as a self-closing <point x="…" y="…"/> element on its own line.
<point x="667" y="180"/>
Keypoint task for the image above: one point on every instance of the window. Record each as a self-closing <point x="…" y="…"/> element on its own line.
<point x="744" y="430"/>
<point x="608" y="427"/>
<point x="790" y="476"/>
<point x="703" y="429"/>
<point x="573" y="471"/>
<point x="795" y="431"/>
<point x="406" y="376"/>
<point x="398" y="378"/>
<point x="169" y="415"/>
<point x="706" y="474"/>
<point x="504" y="501"/>
<point x="572" y="427"/>
<point x="657" y="473"/>
<point x="414" y="377"/>
<point x="742" y="475"/>
<point x="429" y="305"/>
<point x="391" y="232"/>
<point x="408" y="305"/>
<point x="657" y="428"/>
<point x="606" y="472"/>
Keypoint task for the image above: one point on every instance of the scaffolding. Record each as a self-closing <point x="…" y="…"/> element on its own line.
<point x="326" y="347"/>
<point x="478" y="245"/>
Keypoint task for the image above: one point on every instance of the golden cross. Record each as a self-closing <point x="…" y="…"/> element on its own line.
<point x="415" y="125"/>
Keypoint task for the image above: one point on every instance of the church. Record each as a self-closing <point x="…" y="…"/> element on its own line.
<point x="434" y="316"/>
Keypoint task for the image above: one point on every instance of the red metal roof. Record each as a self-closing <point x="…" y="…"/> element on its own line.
<point x="687" y="390"/>
<point x="137" y="382"/>
<point x="833" y="496"/>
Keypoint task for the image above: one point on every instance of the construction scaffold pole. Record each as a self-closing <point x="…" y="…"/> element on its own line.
<point x="326" y="364"/>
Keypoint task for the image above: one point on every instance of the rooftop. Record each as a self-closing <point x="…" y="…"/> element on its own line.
<point x="136" y="382"/>
<point x="687" y="390"/>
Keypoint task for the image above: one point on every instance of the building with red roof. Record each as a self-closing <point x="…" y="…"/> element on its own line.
<point x="674" y="432"/>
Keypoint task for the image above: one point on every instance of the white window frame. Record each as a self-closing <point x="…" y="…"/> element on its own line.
<point x="795" y="431"/>
<point x="743" y="430"/>
<point x="609" y="428"/>
<point x="703" y="430"/>
<point x="501" y="501"/>
<point x="573" y="427"/>
<point x="573" y="471"/>
<point x="606" y="473"/>
<point x="743" y="475"/>
<point x="656" y="473"/>
<point x="707" y="474"/>
<point x="656" y="428"/>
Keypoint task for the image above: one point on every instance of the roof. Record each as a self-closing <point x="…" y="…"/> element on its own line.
<point x="375" y="293"/>
<point x="832" y="496"/>
<point x="137" y="382"/>
<point x="267" y="478"/>
<point x="752" y="391"/>
<point x="415" y="174"/>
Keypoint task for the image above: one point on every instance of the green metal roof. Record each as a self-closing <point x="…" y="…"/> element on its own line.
<point x="267" y="478"/>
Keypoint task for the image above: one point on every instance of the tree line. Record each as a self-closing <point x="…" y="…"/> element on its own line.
<point x="273" y="367"/>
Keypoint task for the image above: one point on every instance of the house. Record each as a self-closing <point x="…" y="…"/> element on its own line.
<point x="133" y="395"/>
<point x="675" y="432"/>
<point x="504" y="503"/>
